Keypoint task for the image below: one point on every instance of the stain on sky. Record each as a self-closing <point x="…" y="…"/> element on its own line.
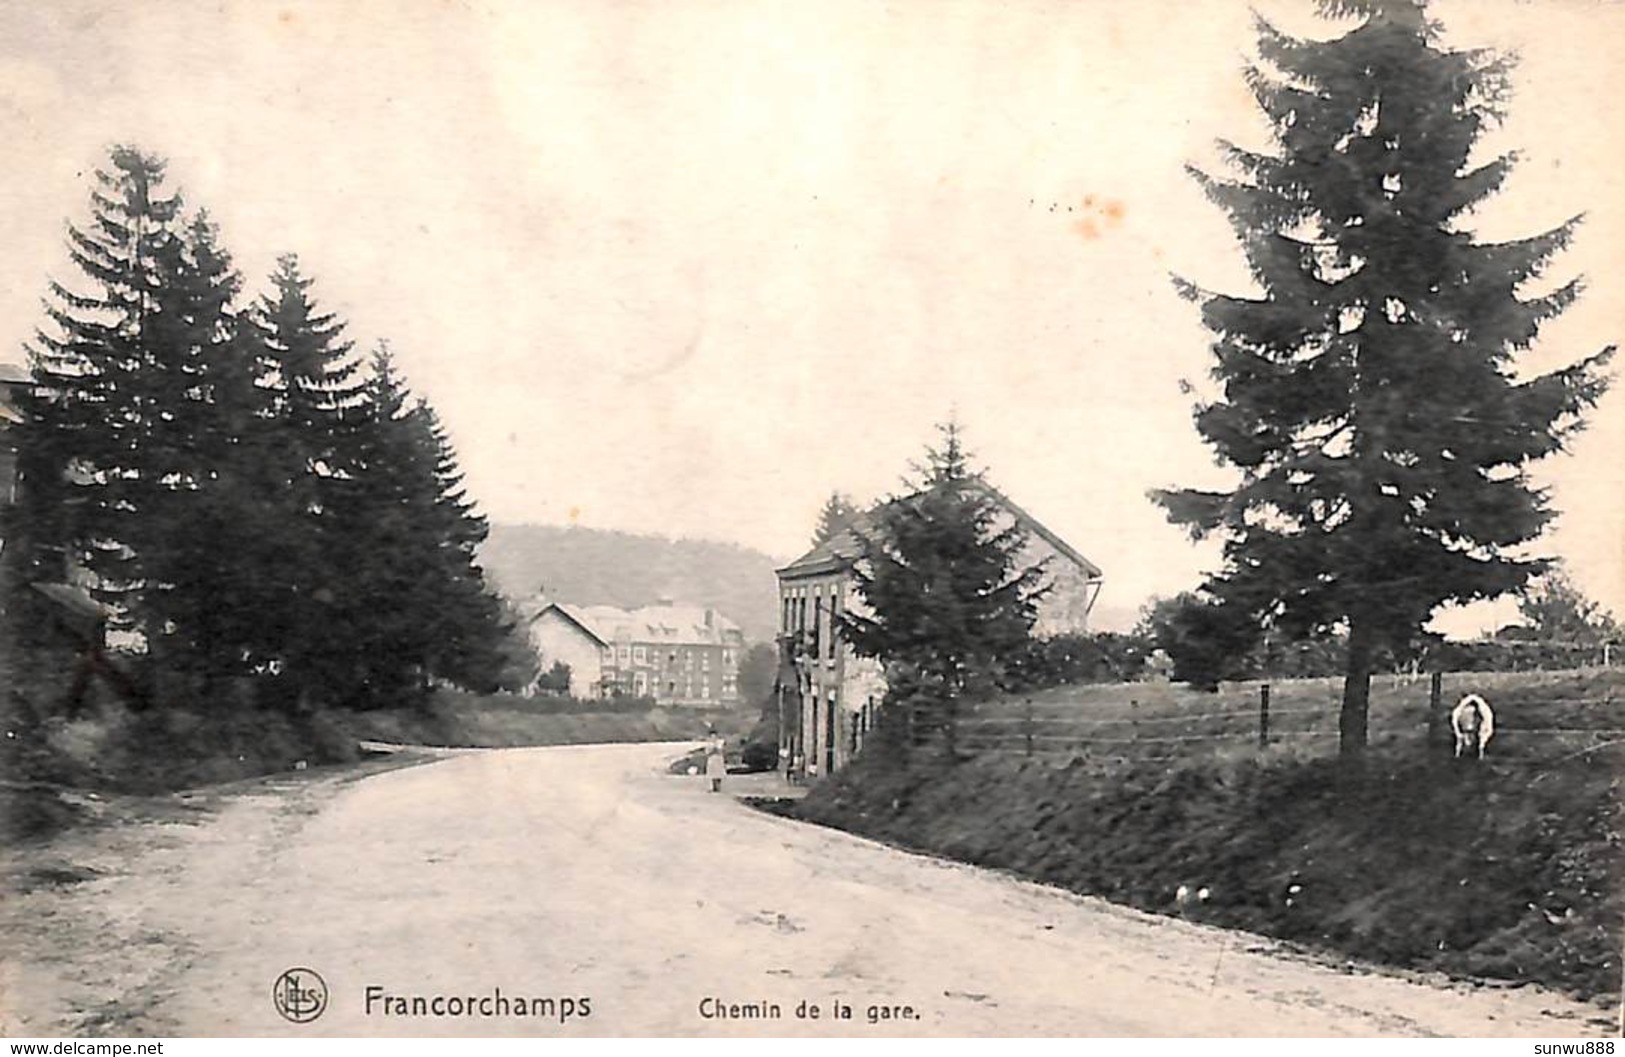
<point x="1096" y="215"/>
<point x="1100" y="215"/>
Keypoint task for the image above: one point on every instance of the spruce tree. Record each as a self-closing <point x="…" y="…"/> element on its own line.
<point x="470" y="628"/>
<point x="316" y="391"/>
<point x="89" y="424"/>
<point x="1371" y="393"/>
<point x="140" y="473"/>
<point x="836" y="516"/>
<point x="133" y="442"/>
<point x="198" y="535"/>
<point x="417" y="605"/>
<point x="315" y="376"/>
<point x="380" y="513"/>
<point x="947" y="604"/>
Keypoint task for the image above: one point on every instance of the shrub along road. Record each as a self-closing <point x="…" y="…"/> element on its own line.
<point x="587" y="874"/>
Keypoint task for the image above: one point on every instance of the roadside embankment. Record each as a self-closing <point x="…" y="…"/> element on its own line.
<point x="1480" y="870"/>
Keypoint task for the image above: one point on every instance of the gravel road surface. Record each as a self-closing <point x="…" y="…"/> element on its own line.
<point x="599" y="896"/>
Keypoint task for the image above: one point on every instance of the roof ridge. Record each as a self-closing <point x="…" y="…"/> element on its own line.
<point x="827" y="554"/>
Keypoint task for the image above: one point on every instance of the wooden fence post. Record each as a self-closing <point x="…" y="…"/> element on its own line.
<point x="1027" y="723"/>
<point x="1435" y="714"/>
<point x="1264" y="715"/>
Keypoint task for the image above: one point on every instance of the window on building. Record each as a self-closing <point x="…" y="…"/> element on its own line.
<point x="640" y="654"/>
<point x="625" y="654"/>
<point x="834" y="607"/>
<point x="829" y="731"/>
<point x="817" y="618"/>
<point x="705" y="661"/>
<point x="640" y="684"/>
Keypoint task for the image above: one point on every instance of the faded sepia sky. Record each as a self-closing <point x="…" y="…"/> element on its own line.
<point x="685" y="268"/>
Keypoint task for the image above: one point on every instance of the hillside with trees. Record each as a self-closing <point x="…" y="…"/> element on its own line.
<point x="590" y="566"/>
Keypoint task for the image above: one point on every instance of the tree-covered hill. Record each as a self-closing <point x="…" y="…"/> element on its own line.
<point x="604" y="567"/>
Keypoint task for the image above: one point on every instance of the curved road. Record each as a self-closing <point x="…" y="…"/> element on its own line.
<point x="587" y="873"/>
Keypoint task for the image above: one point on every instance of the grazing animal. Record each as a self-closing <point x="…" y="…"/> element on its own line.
<point x="1473" y="722"/>
<point x="1184" y="896"/>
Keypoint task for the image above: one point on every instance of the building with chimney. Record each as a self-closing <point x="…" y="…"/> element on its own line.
<point x="828" y="696"/>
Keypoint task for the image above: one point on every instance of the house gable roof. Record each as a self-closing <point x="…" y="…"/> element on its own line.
<point x="835" y="553"/>
<point x="570" y="618"/>
<point x="1043" y="532"/>
<point x="840" y="550"/>
<point x="661" y="625"/>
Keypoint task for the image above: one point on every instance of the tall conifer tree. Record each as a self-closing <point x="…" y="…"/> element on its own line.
<point x="468" y="647"/>
<point x="947" y="603"/>
<point x="1371" y="396"/>
<point x="204" y="538"/>
<point x="381" y="518"/>
<point x="316" y="392"/>
<point x="836" y="516"/>
<point x="90" y="422"/>
<point x="417" y="600"/>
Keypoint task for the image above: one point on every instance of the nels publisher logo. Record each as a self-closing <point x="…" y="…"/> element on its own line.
<point x="300" y="995"/>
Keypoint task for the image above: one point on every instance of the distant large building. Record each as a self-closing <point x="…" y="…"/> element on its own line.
<point x="829" y="695"/>
<point x="677" y="654"/>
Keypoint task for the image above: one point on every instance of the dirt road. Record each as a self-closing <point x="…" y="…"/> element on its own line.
<point x="587" y="874"/>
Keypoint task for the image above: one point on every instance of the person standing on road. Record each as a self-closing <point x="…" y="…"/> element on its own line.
<point x="715" y="764"/>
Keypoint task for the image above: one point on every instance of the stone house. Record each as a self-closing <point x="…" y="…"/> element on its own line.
<point x="828" y="696"/>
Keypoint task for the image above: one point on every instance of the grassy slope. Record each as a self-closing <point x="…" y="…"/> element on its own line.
<point x="1506" y="870"/>
<point x="114" y="750"/>
<point x="499" y="722"/>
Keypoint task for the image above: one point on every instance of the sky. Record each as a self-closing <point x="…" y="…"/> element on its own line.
<point x="687" y="268"/>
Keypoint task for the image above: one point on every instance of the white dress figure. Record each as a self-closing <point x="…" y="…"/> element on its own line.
<point x="715" y="764"/>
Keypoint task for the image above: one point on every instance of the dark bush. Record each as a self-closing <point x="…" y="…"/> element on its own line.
<point x="1065" y="660"/>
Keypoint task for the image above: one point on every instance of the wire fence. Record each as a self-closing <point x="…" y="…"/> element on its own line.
<point x="1538" y="726"/>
